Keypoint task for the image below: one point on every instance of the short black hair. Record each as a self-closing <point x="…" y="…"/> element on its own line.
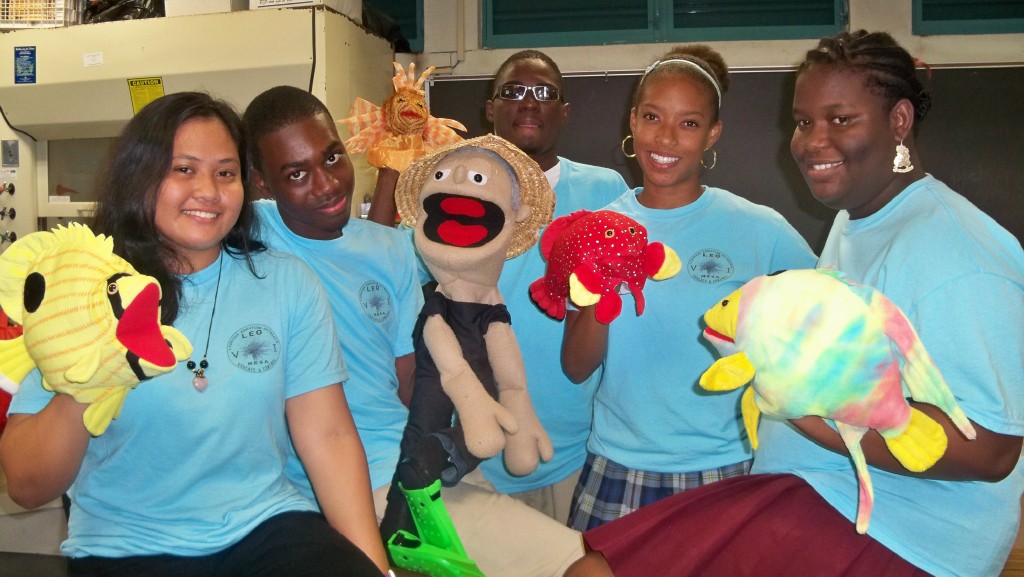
<point x="273" y="110"/>
<point x="525" y="55"/>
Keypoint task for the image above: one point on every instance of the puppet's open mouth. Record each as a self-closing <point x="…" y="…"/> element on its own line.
<point x="462" y="221"/>
<point x="713" y="335"/>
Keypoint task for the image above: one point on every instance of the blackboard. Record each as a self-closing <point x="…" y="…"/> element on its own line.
<point x="972" y="139"/>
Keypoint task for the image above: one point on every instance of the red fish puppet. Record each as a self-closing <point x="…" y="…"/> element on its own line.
<point x="591" y="255"/>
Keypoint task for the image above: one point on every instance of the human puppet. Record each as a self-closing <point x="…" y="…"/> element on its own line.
<point x="471" y="205"/>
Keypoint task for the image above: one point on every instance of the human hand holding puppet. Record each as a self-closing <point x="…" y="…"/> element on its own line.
<point x="472" y="205"/>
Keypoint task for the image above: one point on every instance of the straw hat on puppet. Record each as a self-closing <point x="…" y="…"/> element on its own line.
<point x="534" y="190"/>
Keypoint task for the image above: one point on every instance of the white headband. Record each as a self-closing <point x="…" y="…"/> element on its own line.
<point x="692" y="64"/>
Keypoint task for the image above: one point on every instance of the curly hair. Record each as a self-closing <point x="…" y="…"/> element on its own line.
<point x="890" y="70"/>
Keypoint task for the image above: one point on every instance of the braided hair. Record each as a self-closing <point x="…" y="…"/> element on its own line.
<point x="889" y="68"/>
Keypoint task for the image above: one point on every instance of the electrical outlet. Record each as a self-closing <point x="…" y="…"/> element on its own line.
<point x="9" y="153"/>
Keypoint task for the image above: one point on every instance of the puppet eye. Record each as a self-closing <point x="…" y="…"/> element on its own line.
<point x="112" y="289"/>
<point x="442" y="174"/>
<point x="725" y="303"/>
<point x="609" y="233"/>
<point x="477" y="178"/>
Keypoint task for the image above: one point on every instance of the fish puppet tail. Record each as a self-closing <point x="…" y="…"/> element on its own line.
<point x="15" y="363"/>
<point x="852" y="436"/>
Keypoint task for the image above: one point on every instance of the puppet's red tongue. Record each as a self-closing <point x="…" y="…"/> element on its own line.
<point x="461" y="235"/>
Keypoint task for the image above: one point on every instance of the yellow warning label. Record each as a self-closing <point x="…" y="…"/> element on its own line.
<point x="144" y="90"/>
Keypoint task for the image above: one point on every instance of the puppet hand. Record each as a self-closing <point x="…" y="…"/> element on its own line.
<point x="526" y="447"/>
<point x="483" y="420"/>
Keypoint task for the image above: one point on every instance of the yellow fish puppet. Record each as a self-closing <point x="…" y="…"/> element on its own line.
<point x="812" y="342"/>
<point x="91" y="321"/>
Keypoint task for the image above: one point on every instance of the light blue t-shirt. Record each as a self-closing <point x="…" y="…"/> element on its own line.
<point x="959" y="278"/>
<point x="369" y="274"/>
<point x="563" y="407"/>
<point x="190" y="473"/>
<point x="650" y="413"/>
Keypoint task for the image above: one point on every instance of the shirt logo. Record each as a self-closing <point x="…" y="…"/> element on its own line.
<point x="710" y="266"/>
<point x="254" y="348"/>
<point x="376" y="301"/>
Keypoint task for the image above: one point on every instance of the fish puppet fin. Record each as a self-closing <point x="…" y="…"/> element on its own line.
<point x="852" y="436"/>
<point x="554" y="231"/>
<point x="586" y="287"/>
<point x="728" y="373"/>
<point x="921" y="443"/>
<point x="922" y="377"/>
<point x="751" y="415"/>
<point x="14" y="266"/>
<point x="15" y="363"/>
<point x="104" y="409"/>
<point x="661" y="262"/>
<point x="554" y="307"/>
<point x="84" y="369"/>
<point x="580" y="282"/>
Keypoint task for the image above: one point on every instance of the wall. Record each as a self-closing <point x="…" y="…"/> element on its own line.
<point x="977" y="82"/>
<point x="442" y="29"/>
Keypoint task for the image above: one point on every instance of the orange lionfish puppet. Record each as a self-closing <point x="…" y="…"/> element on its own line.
<point x="402" y="130"/>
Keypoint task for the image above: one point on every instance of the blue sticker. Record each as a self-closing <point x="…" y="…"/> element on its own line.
<point x="24" y="64"/>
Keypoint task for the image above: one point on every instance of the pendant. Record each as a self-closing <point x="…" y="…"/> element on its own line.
<point x="199" y="382"/>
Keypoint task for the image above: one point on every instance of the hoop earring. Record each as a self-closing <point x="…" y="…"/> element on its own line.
<point x="901" y="163"/>
<point x="714" y="159"/>
<point x="623" y="147"/>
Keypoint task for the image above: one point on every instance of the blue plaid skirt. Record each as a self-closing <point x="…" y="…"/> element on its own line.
<point x="607" y="490"/>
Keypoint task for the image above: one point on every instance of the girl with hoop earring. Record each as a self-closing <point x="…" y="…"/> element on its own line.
<point x="652" y="436"/>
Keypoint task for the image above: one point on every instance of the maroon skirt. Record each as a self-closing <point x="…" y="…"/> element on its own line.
<point x="765" y="525"/>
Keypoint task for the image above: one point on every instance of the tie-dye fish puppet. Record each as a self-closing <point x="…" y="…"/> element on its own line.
<point x="591" y="255"/>
<point x="402" y="130"/>
<point x="91" y="322"/>
<point x="812" y="342"/>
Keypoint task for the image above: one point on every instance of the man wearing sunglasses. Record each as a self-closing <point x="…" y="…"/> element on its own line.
<point x="528" y="108"/>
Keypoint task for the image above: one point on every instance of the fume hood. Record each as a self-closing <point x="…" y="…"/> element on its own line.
<point x="85" y="78"/>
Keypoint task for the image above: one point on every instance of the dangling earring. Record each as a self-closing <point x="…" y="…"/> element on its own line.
<point x="714" y="159"/>
<point x="623" y="146"/>
<point x="901" y="163"/>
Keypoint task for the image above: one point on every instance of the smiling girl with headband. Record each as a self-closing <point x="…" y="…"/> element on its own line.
<point x="653" y="436"/>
